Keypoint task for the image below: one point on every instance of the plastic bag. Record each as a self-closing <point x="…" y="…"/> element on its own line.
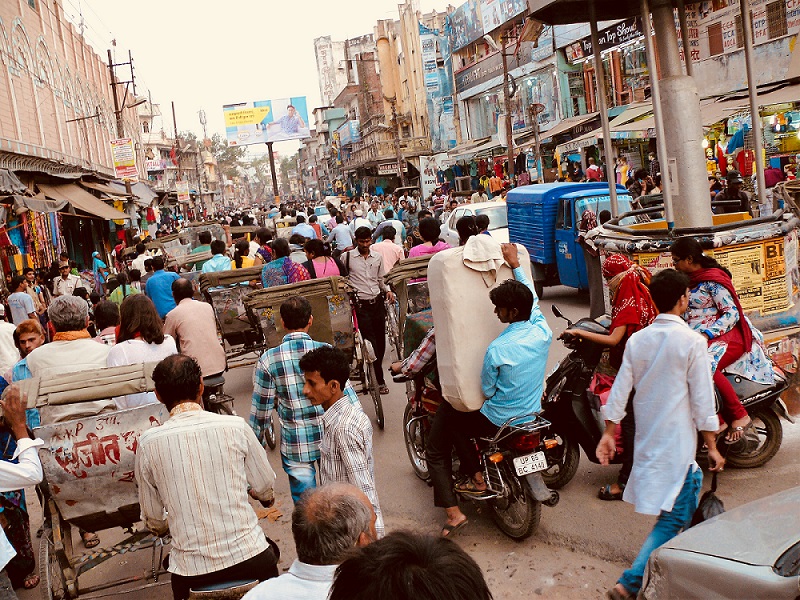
<point x="710" y="505"/>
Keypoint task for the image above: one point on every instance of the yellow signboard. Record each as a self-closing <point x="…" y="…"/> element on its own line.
<point x="245" y="116"/>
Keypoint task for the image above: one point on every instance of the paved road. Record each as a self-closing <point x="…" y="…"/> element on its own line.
<point x="579" y="548"/>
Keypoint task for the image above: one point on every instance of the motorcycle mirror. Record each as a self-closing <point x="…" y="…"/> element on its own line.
<point x="557" y="312"/>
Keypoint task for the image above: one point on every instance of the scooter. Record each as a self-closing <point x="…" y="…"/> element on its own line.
<point x="577" y="423"/>
<point x="512" y="461"/>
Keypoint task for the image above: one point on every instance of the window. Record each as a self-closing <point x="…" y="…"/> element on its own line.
<point x="776" y="19"/>
<point x="564" y="219"/>
<point x="145" y="127"/>
<point x="32" y="4"/>
<point x="715" y="46"/>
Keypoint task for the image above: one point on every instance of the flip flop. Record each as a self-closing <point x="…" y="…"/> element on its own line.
<point x="449" y="531"/>
<point x="89" y="539"/>
<point x="739" y="432"/>
<point x="605" y="493"/>
<point x="468" y="487"/>
<point x="383" y="390"/>
<point x="31" y="581"/>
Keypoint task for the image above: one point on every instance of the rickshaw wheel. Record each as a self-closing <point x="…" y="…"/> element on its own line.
<point x="53" y="583"/>
<point x="374" y="391"/>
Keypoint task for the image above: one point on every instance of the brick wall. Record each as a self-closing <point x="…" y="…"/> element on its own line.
<point x="50" y="75"/>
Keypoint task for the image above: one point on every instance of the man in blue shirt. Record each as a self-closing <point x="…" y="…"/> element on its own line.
<point x="218" y="262"/>
<point x="304" y="229"/>
<point x="159" y="287"/>
<point x="512" y="379"/>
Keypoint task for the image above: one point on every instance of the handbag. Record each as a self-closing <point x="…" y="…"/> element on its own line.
<point x="710" y="505"/>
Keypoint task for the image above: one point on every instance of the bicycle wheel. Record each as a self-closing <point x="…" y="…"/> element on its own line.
<point x="374" y="391"/>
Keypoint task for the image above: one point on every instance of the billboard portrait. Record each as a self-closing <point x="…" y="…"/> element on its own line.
<point x="266" y="121"/>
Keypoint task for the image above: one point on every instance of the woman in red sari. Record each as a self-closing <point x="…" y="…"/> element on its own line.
<point x="632" y="309"/>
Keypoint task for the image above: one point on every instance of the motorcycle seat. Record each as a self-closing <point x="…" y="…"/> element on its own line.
<point x="214" y="381"/>
<point x="746" y="389"/>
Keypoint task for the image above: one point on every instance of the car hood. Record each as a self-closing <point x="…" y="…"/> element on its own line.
<point x="757" y="533"/>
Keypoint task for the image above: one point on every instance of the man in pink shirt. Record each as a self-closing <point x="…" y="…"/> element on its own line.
<point x="391" y="252"/>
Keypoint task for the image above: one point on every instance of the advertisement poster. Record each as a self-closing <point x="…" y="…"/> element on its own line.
<point x="182" y="189"/>
<point x="428" y="166"/>
<point x="266" y="121"/>
<point x="655" y="261"/>
<point x="124" y="158"/>
<point x="496" y="12"/>
<point x="465" y="23"/>
<point x="437" y="67"/>
<point x="759" y="274"/>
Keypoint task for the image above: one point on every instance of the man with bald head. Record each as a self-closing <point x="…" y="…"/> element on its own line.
<point x="327" y="523"/>
<point x="194" y="328"/>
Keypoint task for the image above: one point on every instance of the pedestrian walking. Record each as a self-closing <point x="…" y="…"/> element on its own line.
<point x="666" y="367"/>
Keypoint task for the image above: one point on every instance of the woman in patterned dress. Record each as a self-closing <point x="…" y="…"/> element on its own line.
<point x="733" y="343"/>
<point x="632" y="309"/>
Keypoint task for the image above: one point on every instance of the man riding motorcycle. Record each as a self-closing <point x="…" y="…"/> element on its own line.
<point x="512" y="378"/>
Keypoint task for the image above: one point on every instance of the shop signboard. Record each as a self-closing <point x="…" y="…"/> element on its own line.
<point x="158" y="164"/>
<point x="390" y="168"/>
<point x="182" y="189"/>
<point x="266" y="121"/>
<point x="465" y="24"/>
<point x="437" y="70"/>
<point x="124" y="157"/>
<point x="496" y="12"/>
<point x="545" y="45"/>
<point x="350" y="132"/>
<point x="608" y="38"/>
<point x="428" y="166"/>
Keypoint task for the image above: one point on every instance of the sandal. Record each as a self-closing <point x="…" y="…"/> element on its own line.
<point x="605" y="493"/>
<point x="383" y="390"/>
<point x="468" y="486"/>
<point x="737" y="433"/>
<point x="31" y="581"/>
<point x="449" y="531"/>
<point x="90" y="540"/>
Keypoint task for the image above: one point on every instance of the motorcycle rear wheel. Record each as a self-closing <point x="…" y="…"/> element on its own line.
<point x="770" y="436"/>
<point x="568" y="457"/>
<point x="414" y="436"/>
<point x="518" y="514"/>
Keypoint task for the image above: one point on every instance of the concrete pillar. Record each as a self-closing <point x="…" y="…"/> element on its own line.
<point x="685" y="162"/>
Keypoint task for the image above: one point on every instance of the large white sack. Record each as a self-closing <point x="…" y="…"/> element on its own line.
<point x="464" y="316"/>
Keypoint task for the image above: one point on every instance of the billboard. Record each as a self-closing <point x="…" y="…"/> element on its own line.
<point x="496" y="12"/>
<point x="266" y="121"/>
<point x="465" y="24"/>
<point x="437" y="69"/>
<point x="124" y="158"/>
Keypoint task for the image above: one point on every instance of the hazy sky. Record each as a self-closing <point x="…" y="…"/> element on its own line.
<point x="202" y="55"/>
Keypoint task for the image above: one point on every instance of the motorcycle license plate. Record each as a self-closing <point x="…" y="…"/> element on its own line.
<point x="530" y="463"/>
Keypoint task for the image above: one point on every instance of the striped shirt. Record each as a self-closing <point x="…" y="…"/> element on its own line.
<point x="514" y="365"/>
<point x="278" y="377"/>
<point x="346" y="452"/>
<point x="198" y="466"/>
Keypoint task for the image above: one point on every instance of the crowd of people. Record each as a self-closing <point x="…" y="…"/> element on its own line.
<point x="146" y="312"/>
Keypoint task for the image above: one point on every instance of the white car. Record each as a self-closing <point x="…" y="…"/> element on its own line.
<point x="498" y="220"/>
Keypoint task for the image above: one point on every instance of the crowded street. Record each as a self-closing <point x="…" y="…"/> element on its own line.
<point x="400" y="301"/>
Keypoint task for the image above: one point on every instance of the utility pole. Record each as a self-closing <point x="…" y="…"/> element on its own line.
<point x="398" y="152"/>
<point x="118" y="111"/>
<point x="507" y="105"/>
<point x="274" y="174"/>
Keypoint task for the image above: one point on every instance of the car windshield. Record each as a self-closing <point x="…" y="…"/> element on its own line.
<point x="601" y="203"/>
<point x="498" y="217"/>
<point x="321" y="211"/>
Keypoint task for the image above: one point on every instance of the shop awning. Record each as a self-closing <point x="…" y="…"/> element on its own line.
<point x="39" y="203"/>
<point x="143" y="193"/>
<point x="10" y="183"/>
<point x="565" y="125"/>
<point x="484" y="149"/>
<point x="714" y="111"/>
<point x="636" y="130"/>
<point x="81" y="200"/>
<point x="631" y="113"/>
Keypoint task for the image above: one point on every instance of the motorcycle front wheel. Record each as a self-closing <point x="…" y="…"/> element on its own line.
<point x="516" y="513"/>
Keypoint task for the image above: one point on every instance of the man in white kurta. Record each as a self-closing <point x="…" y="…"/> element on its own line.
<point x="667" y="366"/>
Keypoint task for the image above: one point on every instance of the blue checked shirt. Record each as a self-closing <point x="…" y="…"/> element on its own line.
<point x="278" y="379"/>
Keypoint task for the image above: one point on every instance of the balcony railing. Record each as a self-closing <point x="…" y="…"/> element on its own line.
<point x="372" y="151"/>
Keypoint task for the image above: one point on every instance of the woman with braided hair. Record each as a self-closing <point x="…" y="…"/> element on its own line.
<point x="632" y="309"/>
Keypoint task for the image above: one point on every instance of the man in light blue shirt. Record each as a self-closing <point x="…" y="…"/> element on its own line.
<point x="218" y="262"/>
<point x="304" y="229"/>
<point x="341" y="235"/>
<point x="512" y="379"/>
<point x="159" y="287"/>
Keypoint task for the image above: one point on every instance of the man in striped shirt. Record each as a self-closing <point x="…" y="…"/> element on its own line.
<point x="193" y="474"/>
<point x="346" y="447"/>
<point x="278" y="380"/>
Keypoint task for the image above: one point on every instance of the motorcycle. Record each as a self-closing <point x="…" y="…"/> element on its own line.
<point x="511" y="461"/>
<point x="577" y="423"/>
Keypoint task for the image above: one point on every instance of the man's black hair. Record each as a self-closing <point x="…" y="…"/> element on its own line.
<point x="389" y="233"/>
<point x="331" y="363"/>
<point x="218" y="247"/>
<point x="140" y="248"/>
<point x="512" y="294"/>
<point x="158" y="263"/>
<point x="106" y="314"/>
<point x="482" y="222"/>
<point x="312" y="218"/>
<point x="604" y="216"/>
<point x="204" y="237"/>
<point x="177" y="378"/>
<point x="388" y="213"/>
<point x="300" y="219"/>
<point x="429" y="229"/>
<point x="148" y="264"/>
<point x="296" y="312"/>
<point x="17" y="281"/>
<point x="27" y="270"/>
<point x="667" y="287"/>
<point x="339" y="218"/>
<point x="182" y="289"/>
<point x="94" y="297"/>
<point x="406" y="565"/>
<point x="363" y="233"/>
